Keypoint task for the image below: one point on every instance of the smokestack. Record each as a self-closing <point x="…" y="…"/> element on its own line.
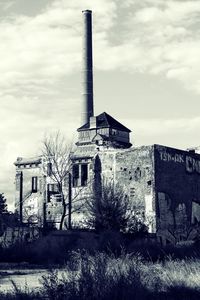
<point x="87" y="107"/>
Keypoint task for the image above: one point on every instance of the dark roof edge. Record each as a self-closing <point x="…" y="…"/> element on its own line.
<point x="28" y="161"/>
<point x="87" y="125"/>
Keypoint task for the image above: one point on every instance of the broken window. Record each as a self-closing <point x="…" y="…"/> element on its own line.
<point x="53" y="187"/>
<point x="84" y="174"/>
<point x="75" y="175"/>
<point x="34" y="184"/>
<point x="53" y="192"/>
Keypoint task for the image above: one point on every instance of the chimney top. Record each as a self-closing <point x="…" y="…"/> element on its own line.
<point x="87" y="11"/>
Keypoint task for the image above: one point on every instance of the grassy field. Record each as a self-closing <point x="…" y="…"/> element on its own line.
<point x="98" y="268"/>
<point x="128" y="276"/>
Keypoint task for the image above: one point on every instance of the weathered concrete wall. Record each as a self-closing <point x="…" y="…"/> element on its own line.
<point x="133" y="170"/>
<point x="32" y="202"/>
<point x="81" y="194"/>
<point x="36" y="205"/>
<point x="177" y="178"/>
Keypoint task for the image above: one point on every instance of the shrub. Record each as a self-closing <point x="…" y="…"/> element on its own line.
<point x="111" y="210"/>
<point x="108" y="209"/>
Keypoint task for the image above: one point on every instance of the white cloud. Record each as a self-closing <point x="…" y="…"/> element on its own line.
<point x="158" y="37"/>
<point x="170" y="36"/>
<point x="166" y="131"/>
<point x="47" y="47"/>
<point x="6" y="5"/>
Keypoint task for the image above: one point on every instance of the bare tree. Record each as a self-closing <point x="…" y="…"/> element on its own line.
<point x="57" y="153"/>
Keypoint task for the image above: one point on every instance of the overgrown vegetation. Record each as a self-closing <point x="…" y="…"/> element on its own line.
<point x="98" y="267"/>
<point x="105" y="276"/>
<point x="54" y="248"/>
<point x="110" y="209"/>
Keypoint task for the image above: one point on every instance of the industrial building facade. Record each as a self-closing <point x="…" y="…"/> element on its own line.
<point x="161" y="183"/>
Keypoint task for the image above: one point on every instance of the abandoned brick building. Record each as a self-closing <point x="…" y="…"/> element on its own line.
<point x="162" y="183"/>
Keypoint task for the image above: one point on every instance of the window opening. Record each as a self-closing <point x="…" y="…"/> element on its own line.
<point x="149" y="183"/>
<point x="34" y="184"/>
<point x="53" y="192"/>
<point x="75" y="175"/>
<point x="84" y="174"/>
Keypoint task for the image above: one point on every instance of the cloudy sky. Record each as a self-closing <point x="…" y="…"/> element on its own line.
<point x="146" y="64"/>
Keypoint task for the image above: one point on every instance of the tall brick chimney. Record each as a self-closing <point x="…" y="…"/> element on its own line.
<point x="88" y="106"/>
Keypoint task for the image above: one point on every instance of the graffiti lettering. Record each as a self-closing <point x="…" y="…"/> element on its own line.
<point x="170" y="157"/>
<point x="192" y="165"/>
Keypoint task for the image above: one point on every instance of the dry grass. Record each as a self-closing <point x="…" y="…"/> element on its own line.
<point x="104" y="276"/>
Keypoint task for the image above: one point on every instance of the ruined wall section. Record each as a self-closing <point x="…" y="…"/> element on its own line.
<point x="32" y="203"/>
<point x="133" y="170"/>
<point x="82" y="191"/>
<point x="53" y="205"/>
<point x="177" y="194"/>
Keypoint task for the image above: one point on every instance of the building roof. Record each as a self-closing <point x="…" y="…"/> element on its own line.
<point x="104" y="120"/>
<point x="27" y="161"/>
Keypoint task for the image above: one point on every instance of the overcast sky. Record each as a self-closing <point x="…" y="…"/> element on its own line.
<point x="146" y="72"/>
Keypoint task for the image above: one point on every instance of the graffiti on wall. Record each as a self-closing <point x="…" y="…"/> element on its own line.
<point x="173" y="223"/>
<point x="195" y="212"/>
<point x="166" y="218"/>
<point x="12" y="235"/>
<point x="177" y="158"/>
<point x="30" y="208"/>
<point x="191" y="164"/>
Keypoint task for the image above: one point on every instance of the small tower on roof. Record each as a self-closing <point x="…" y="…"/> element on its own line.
<point x="104" y="130"/>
